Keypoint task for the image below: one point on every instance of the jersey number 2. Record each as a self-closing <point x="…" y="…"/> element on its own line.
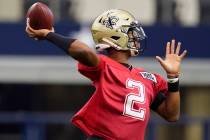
<point x="133" y="98"/>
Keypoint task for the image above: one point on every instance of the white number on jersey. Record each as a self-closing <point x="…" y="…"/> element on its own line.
<point x="132" y="98"/>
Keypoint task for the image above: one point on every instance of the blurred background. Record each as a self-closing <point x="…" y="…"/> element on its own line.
<point x="40" y="88"/>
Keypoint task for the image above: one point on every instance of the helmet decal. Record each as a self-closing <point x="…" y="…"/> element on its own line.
<point x="110" y="21"/>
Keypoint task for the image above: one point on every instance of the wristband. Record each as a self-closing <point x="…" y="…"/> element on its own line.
<point x="61" y="41"/>
<point x="173" y="80"/>
<point x="173" y="84"/>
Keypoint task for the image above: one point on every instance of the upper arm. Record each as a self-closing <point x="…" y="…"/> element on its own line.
<point x="161" y="109"/>
<point x="84" y="54"/>
<point x="159" y="99"/>
<point x="160" y="89"/>
<point x="158" y="105"/>
<point x="93" y="73"/>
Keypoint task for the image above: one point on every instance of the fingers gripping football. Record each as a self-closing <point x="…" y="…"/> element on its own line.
<point x="36" y="34"/>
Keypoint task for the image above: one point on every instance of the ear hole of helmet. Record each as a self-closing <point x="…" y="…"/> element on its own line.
<point x="115" y="37"/>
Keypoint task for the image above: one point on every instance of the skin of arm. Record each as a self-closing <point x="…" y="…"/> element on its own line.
<point x="82" y="53"/>
<point x="169" y="109"/>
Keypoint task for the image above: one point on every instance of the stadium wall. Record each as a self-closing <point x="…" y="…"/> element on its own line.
<point x="39" y="61"/>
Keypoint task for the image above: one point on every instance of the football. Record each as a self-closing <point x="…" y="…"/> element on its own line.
<point x="41" y="17"/>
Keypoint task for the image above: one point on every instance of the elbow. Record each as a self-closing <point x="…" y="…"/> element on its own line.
<point x="86" y="57"/>
<point x="173" y="118"/>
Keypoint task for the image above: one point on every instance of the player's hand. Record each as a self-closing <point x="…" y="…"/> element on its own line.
<point x="36" y="34"/>
<point x="173" y="58"/>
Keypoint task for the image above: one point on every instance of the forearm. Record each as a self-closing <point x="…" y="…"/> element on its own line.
<point x="74" y="48"/>
<point x="173" y="99"/>
<point x="170" y="108"/>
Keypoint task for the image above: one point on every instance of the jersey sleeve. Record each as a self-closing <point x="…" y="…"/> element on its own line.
<point x="161" y="88"/>
<point x="92" y="73"/>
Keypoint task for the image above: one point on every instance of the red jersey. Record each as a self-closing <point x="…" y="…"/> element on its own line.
<point x="119" y="109"/>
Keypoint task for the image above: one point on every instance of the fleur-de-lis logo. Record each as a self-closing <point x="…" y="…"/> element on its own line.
<point x="110" y="21"/>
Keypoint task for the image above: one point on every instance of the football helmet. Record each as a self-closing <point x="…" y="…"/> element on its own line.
<point x="110" y="29"/>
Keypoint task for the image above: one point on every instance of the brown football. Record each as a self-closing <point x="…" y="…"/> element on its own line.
<point x="41" y="17"/>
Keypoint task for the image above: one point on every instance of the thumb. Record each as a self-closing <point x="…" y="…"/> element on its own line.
<point x="160" y="60"/>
